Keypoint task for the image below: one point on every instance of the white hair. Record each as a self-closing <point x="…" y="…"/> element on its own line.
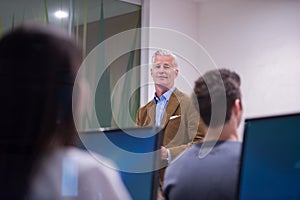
<point x="164" y="52"/>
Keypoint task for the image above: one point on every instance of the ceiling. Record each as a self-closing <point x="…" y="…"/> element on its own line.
<point x="18" y="11"/>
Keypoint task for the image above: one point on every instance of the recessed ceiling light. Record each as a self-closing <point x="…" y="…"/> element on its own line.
<point x="61" y="14"/>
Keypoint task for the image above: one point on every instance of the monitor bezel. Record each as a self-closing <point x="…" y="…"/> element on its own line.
<point x="158" y="143"/>
<point x="245" y="136"/>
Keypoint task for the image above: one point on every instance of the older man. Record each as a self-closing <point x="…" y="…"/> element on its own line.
<point x="170" y="109"/>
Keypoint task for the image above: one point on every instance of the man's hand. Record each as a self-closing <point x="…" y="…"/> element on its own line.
<point x="164" y="153"/>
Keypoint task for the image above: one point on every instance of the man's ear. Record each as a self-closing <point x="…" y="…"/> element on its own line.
<point x="151" y="72"/>
<point x="237" y="107"/>
<point x="176" y="71"/>
<point x="238" y="110"/>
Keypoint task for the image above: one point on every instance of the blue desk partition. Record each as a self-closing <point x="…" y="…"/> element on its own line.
<point x="136" y="153"/>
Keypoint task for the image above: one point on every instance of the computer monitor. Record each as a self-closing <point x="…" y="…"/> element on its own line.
<point x="270" y="161"/>
<point x="136" y="153"/>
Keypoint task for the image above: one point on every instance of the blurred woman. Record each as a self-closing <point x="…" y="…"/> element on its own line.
<point x="39" y="159"/>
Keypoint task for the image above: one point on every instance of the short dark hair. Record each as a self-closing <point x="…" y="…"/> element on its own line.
<point x="211" y="90"/>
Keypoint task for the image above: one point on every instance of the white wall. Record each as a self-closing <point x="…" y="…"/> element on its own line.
<point x="179" y="19"/>
<point x="259" y="39"/>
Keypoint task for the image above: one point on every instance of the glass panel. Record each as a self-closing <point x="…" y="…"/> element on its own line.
<point x="91" y="22"/>
<point x="15" y="12"/>
<point x="103" y="74"/>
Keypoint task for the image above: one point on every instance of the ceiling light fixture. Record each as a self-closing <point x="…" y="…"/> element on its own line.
<point x="61" y="14"/>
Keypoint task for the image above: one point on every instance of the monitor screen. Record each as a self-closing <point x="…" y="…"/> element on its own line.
<point x="270" y="162"/>
<point x="136" y="153"/>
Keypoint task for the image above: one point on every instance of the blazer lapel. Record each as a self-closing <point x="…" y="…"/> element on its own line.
<point x="172" y="105"/>
<point x="151" y="113"/>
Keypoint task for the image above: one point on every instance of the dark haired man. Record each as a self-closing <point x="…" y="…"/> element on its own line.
<point x="209" y="170"/>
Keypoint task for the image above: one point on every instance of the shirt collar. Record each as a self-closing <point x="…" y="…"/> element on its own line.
<point x="165" y="95"/>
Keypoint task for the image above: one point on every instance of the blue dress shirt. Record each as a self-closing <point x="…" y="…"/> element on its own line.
<point x="161" y="104"/>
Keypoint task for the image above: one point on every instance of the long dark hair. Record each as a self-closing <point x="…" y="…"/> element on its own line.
<point x="37" y="70"/>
